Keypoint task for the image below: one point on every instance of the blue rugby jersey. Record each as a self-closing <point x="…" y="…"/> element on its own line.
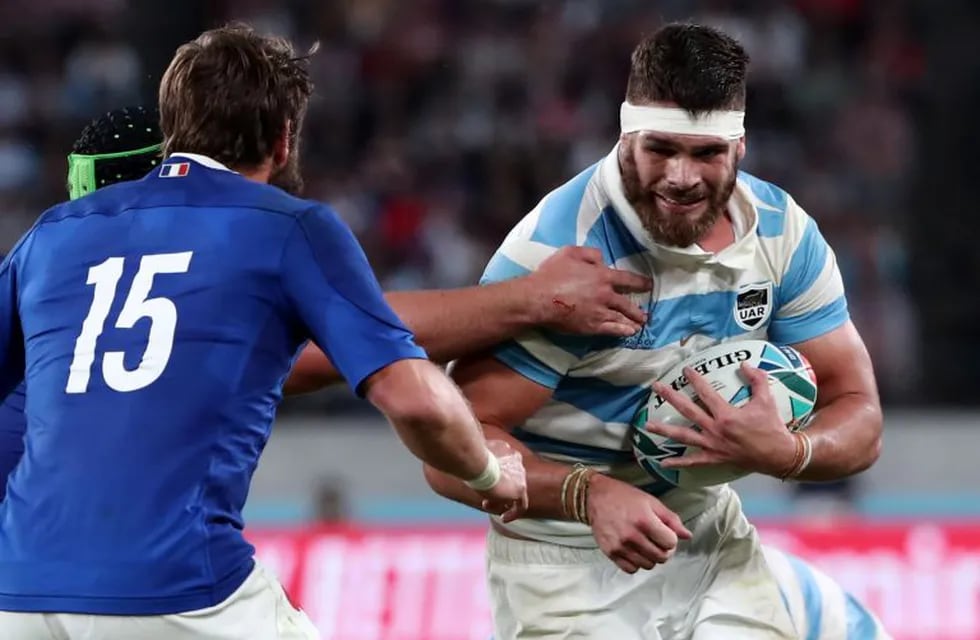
<point x="157" y="320"/>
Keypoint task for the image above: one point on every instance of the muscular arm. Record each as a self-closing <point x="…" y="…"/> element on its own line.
<point x="447" y="324"/>
<point x="430" y="416"/>
<point x="572" y="291"/>
<point x="484" y="381"/>
<point x="846" y="430"/>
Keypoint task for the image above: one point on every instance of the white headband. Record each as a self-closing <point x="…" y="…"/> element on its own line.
<point x="721" y="124"/>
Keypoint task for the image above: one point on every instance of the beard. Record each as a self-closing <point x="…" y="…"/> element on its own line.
<point x="668" y="228"/>
<point x="288" y="177"/>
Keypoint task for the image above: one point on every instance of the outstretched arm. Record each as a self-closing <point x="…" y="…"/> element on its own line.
<point x="327" y="283"/>
<point x="571" y="292"/>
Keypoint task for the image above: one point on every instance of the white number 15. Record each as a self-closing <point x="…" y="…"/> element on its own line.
<point x="161" y="312"/>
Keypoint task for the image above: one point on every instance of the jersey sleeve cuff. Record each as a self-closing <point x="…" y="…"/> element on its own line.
<point x="405" y="351"/>
<point x="812" y="324"/>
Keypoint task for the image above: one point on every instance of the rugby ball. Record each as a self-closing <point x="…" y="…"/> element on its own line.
<point x="792" y="382"/>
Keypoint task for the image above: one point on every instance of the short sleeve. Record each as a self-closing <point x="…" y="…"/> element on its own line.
<point x="328" y="280"/>
<point x="811" y="294"/>
<point x="542" y="356"/>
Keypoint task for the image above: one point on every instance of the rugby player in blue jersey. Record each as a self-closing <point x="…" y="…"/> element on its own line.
<point x="154" y="322"/>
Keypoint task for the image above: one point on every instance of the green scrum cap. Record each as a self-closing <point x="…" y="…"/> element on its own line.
<point x="123" y="144"/>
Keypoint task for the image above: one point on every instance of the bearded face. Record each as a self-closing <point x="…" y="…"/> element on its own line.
<point x="679" y="185"/>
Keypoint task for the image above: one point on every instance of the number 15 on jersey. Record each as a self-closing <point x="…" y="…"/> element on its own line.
<point x="161" y="312"/>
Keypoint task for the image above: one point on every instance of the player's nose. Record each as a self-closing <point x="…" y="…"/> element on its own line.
<point x="681" y="173"/>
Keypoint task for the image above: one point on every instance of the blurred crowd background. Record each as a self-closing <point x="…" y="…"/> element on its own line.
<point x="438" y="123"/>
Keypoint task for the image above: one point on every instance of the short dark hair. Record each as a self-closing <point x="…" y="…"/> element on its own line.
<point x="697" y="67"/>
<point x="229" y="94"/>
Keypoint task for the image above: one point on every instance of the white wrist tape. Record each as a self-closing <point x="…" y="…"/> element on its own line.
<point x="729" y="125"/>
<point x="490" y="476"/>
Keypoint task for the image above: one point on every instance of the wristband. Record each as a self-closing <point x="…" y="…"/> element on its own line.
<point x="490" y="476"/>
<point x="804" y="454"/>
<point x="807" y="456"/>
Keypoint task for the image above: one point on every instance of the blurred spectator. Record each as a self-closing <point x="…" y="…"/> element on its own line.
<point x="330" y="501"/>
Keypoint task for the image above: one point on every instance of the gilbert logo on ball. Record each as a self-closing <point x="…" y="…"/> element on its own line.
<point x="791" y="381"/>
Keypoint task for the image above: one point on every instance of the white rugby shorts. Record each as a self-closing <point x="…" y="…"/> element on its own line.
<point x="257" y="610"/>
<point x="716" y="586"/>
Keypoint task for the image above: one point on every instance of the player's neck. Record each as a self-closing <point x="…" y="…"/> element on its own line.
<point x="720" y="236"/>
<point x="262" y="173"/>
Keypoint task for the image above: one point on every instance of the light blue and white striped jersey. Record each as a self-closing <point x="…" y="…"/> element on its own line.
<point x="778" y="281"/>
<point x="819" y="607"/>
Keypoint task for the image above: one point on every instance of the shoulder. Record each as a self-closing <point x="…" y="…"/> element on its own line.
<point x="783" y="226"/>
<point x="564" y="217"/>
<point x="556" y="217"/>
<point x="779" y="216"/>
<point x="241" y="192"/>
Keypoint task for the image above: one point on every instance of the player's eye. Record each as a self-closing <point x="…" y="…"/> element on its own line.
<point x="659" y="150"/>
<point x="709" y="153"/>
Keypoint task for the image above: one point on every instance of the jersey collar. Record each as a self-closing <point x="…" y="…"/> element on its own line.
<point x="738" y="256"/>
<point x="204" y="161"/>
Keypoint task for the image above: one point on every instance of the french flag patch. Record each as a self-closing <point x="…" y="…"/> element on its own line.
<point x="175" y="170"/>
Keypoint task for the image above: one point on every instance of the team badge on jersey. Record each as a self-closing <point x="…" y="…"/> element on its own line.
<point x="753" y="304"/>
<point x="175" y="170"/>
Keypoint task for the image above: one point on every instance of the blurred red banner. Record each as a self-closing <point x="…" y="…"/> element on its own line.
<point x="366" y="583"/>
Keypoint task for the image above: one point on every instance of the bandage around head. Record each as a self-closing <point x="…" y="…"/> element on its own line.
<point x="729" y="125"/>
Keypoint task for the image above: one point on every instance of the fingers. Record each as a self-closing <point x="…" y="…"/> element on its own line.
<point x="684" y="405"/>
<point x="706" y="393"/>
<point x="624" y="564"/>
<point x="629" y="282"/>
<point x="508" y="511"/>
<point x="631" y="561"/>
<point x="625" y="306"/>
<point x="696" y="459"/>
<point x="645" y="554"/>
<point x="495" y="507"/>
<point x="590" y="255"/>
<point x="684" y="435"/>
<point x="516" y="511"/>
<point x="657" y="532"/>
<point x="671" y="520"/>
<point x="619" y="328"/>
<point x="759" y="380"/>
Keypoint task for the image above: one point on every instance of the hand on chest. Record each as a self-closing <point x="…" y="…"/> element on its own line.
<point x="690" y="311"/>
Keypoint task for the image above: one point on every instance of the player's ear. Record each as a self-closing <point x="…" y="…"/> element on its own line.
<point x="280" y="153"/>
<point x="740" y="149"/>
